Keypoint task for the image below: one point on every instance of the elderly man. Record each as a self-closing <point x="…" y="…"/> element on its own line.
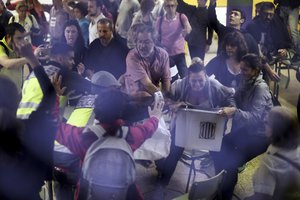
<point x="147" y="64"/>
<point x="196" y="90"/>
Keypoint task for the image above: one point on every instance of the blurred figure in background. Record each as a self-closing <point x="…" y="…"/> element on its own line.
<point x="277" y="176"/>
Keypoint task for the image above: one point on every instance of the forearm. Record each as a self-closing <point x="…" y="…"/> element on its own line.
<point x="13" y="62"/>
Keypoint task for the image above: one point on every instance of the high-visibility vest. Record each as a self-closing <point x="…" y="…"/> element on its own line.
<point x="32" y="93"/>
<point x="81" y="116"/>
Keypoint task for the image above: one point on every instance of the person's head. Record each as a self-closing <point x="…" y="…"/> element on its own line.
<point x="258" y="8"/>
<point x="197" y="60"/>
<point x="251" y="66"/>
<point x="197" y="77"/>
<point x="15" y="34"/>
<point x="201" y="3"/>
<point x="267" y="11"/>
<point x="80" y="10"/>
<point x="282" y="128"/>
<point x="105" y="30"/>
<point x="94" y="7"/>
<point x="62" y="54"/>
<point x="234" y="45"/>
<point x="109" y="107"/>
<point x="72" y="33"/>
<point x="170" y="6"/>
<point x="236" y="18"/>
<point x="2" y="6"/>
<point x="22" y="9"/>
<point x="147" y="6"/>
<point x="57" y="3"/>
<point x="9" y="95"/>
<point x="145" y="41"/>
<point x="102" y="80"/>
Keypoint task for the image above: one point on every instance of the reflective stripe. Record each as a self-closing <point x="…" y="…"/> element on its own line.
<point x="28" y="105"/>
<point x="80" y="117"/>
<point x="25" y="116"/>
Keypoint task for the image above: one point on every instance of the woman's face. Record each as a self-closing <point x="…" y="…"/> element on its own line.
<point x="71" y="35"/>
<point x="231" y="50"/>
<point x="247" y="72"/>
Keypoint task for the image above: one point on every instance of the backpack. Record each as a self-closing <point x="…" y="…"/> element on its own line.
<point x="108" y="168"/>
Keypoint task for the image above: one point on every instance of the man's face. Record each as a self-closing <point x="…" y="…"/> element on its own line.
<point x="105" y="33"/>
<point x="71" y="35"/>
<point x="16" y="40"/>
<point x="22" y="12"/>
<point x="170" y="7"/>
<point x="145" y="44"/>
<point x="77" y="13"/>
<point x="201" y="3"/>
<point x="197" y="81"/>
<point x="1" y="6"/>
<point x="235" y="18"/>
<point x="267" y="15"/>
<point x="92" y="8"/>
<point x="68" y="60"/>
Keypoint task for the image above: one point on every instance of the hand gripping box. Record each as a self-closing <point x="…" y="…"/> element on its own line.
<point x="199" y="129"/>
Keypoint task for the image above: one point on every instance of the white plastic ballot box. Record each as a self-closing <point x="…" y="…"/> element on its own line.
<point x="199" y="129"/>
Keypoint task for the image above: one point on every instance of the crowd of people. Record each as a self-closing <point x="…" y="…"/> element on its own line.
<point x="91" y="75"/>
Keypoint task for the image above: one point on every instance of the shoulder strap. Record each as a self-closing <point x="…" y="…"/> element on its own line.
<point x="31" y="19"/>
<point x="13" y="19"/>
<point x="5" y="48"/>
<point x="296" y="165"/>
<point x="159" y="28"/>
<point x="180" y="18"/>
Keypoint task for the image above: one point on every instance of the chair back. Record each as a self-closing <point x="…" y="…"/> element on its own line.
<point x="207" y="189"/>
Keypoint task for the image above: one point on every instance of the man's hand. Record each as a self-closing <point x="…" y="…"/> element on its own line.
<point x="56" y="82"/>
<point x="271" y="73"/>
<point x="228" y="111"/>
<point x="25" y="50"/>
<point x="80" y="68"/>
<point x="282" y="52"/>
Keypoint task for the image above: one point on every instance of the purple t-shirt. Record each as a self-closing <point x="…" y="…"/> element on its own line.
<point x="158" y="70"/>
<point x="171" y="33"/>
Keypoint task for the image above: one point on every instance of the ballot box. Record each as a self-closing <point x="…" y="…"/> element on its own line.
<point x="199" y="129"/>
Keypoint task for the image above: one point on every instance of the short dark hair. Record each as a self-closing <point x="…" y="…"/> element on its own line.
<point x="243" y="15"/>
<point x="60" y="49"/>
<point x="11" y="29"/>
<point x="106" y="21"/>
<point x="99" y="3"/>
<point x="285" y="128"/>
<point x="266" y="6"/>
<point x="147" y="6"/>
<point x="252" y="61"/>
<point x="237" y="39"/>
<point x="82" y="7"/>
<point x="109" y="108"/>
